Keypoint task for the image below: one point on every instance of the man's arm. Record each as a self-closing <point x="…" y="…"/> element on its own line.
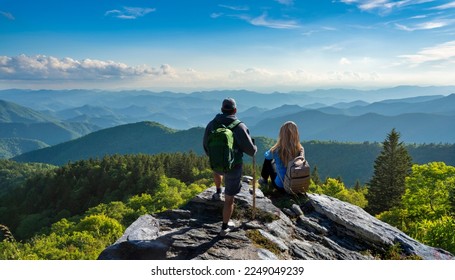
<point x="244" y="140"/>
<point x="205" y="140"/>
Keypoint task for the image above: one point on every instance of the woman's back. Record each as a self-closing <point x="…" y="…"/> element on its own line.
<point x="286" y="148"/>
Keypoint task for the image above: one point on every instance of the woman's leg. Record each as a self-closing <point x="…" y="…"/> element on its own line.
<point x="267" y="170"/>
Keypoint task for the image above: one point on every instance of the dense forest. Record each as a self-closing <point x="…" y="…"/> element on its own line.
<point x="76" y="210"/>
<point x="47" y="196"/>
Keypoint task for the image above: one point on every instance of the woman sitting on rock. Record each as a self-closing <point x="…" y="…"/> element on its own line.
<point x="285" y="149"/>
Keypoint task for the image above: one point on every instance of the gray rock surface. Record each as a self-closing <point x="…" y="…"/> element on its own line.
<point x="328" y="229"/>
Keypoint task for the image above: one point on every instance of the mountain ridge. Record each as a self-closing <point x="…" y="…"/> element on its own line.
<point x="129" y="139"/>
<point x="17" y="121"/>
<point x="13" y="113"/>
<point x="183" y="111"/>
<point x="317" y="125"/>
<point x="11" y="147"/>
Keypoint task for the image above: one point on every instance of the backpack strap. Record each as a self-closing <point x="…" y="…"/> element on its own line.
<point x="302" y="153"/>
<point x="233" y="124"/>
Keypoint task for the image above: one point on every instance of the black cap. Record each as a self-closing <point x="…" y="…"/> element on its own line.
<point x="228" y="104"/>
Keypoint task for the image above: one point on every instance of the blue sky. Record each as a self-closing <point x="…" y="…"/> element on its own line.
<point x="263" y="45"/>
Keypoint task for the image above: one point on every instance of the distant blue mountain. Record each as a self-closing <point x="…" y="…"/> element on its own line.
<point x="316" y="125"/>
<point x="422" y="114"/>
<point x="22" y="128"/>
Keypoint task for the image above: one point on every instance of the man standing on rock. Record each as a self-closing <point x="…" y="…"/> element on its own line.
<point x="232" y="175"/>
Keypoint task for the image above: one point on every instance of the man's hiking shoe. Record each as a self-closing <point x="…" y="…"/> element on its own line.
<point x="226" y="231"/>
<point x="216" y="196"/>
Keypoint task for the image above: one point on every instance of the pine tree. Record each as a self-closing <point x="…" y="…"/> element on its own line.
<point x="390" y="170"/>
<point x="357" y="187"/>
<point x="315" y="176"/>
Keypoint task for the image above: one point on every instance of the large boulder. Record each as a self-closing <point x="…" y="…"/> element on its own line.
<point x="319" y="228"/>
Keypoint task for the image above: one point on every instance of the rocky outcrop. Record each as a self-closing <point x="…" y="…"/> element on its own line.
<point x="320" y="228"/>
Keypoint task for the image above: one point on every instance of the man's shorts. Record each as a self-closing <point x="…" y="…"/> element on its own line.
<point x="232" y="180"/>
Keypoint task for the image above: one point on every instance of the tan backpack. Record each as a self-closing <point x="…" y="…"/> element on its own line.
<point x="297" y="177"/>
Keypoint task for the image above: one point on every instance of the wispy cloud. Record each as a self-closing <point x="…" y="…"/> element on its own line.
<point x="264" y="21"/>
<point x="129" y="12"/>
<point x="235" y="8"/>
<point x="332" y="48"/>
<point x="41" y="67"/>
<point x="251" y="74"/>
<point x="286" y="2"/>
<point x="216" y="15"/>
<point x="349" y="76"/>
<point x="419" y="17"/>
<point x="383" y="6"/>
<point x="450" y="5"/>
<point x="321" y="29"/>
<point x="425" y="25"/>
<point x="7" y="15"/>
<point x="267" y="77"/>
<point x="437" y="54"/>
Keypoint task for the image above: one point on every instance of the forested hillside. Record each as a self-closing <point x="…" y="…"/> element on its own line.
<point x="77" y="210"/>
<point x="13" y="175"/>
<point x="350" y="161"/>
<point x="354" y="161"/>
<point x="11" y="147"/>
<point x="143" y="137"/>
<point x="46" y="197"/>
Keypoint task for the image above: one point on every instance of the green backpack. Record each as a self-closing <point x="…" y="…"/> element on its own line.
<point x="221" y="147"/>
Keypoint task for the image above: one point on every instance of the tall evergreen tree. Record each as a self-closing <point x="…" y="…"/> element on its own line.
<point x="357" y="187"/>
<point x="315" y="176"/>
<point x="390" y="170"/>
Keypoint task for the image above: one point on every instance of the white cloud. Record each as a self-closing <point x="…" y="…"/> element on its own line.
<point x="216" y="15"/>
<point x="250" y="74"/>
<point x="41" y="67"/>
<point x="437" y="54"/>
<point x="425" y="25"/>
<point x="348" y="76"/>
<point x="333" y="48"/>
<point x="235" y="8"/>
<point x="264" y="21"/>
<point x="298" y="78"/>
<point x="445" y="6"/>
<point x="373" y="4"/>
<point x="286" y="2"/>
<point x="344" y="61"/>
<point x="7" y="15"/>
<point x="130" y="12"/>
<point x="321" y="29"/>
<point x="383" y="6"/>
<point x="419" y="17"/>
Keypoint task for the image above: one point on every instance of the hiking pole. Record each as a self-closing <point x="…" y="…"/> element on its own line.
<point x="254" y="185"/>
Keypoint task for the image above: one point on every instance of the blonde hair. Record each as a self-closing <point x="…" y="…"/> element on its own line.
<point x="288" y="145"/>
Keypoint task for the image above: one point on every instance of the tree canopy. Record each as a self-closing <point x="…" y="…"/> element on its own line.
<point x="427" y="211"/>
<point x="390" y="170"/>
